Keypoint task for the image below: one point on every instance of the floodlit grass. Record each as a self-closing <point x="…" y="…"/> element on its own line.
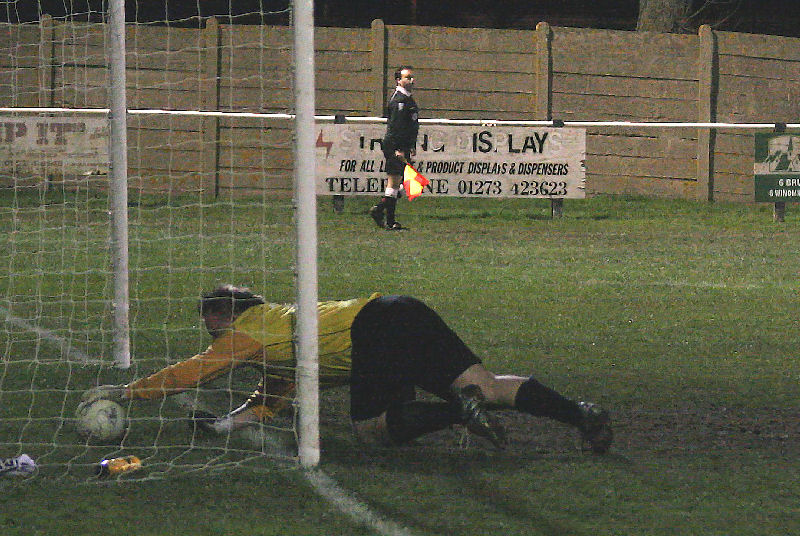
<point x="680" y="317"/>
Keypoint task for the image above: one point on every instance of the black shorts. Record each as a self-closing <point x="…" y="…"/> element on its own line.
<point x="395" y="166"/>
<point x="400" y="343"/>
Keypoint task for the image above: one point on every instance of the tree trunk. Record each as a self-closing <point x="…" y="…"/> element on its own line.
<point x="662" y="15"/>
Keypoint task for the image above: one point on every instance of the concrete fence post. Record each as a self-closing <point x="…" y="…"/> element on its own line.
<point x="708" y="81"/>
<point x="210" y="80"/>
<point x="46" y="32"/>
<point x="544" y="73"/>
<point x="377" y="68"/>
<point x="544" y="91"/>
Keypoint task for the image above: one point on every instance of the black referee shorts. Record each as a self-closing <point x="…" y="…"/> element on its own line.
<point x="399" y="343"/>
<point x="395" y="166"/>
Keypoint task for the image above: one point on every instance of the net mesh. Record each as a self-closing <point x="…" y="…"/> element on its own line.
<point x="209" y="203"/>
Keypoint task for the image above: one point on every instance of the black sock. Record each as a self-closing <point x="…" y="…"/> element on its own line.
<point x="410" y="420"/>
<point x="390" y="203"/>
<point x="539" y="400"/>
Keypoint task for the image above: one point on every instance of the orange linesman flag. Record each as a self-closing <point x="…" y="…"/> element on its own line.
<point x="413" y="182"/>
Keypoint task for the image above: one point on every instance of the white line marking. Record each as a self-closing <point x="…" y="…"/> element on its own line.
<point x="325" y="486"/>
<point x="680" y="284"/>
<point x="359" y="512"/>
<point x="45" y="334"/>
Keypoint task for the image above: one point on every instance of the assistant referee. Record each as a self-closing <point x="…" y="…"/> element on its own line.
<point x="399" y="145"/>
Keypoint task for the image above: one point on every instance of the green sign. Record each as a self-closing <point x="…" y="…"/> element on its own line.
<point x="777" y="167"/>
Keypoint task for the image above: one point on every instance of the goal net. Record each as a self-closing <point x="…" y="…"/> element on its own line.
<point x="210" y="201"/>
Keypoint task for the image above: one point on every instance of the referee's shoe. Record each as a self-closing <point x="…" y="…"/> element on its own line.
<point x="376" y="213"/>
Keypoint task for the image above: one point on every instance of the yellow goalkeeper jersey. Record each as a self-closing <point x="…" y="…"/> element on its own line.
<point x="262" y="336"/>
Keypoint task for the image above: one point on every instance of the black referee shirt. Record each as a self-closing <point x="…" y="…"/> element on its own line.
<point x="402" y="123"/>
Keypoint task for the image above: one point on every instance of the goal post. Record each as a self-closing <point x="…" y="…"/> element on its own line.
<point x="118" y="182"/>
<point x="305" y="188"/>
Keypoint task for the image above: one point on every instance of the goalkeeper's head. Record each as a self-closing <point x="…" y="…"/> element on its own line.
<point x="220" y="307"/>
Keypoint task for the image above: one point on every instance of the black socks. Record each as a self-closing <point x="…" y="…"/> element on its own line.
<point x="389" y="203"/>
<point x="410" y="420"/>
<point x="541" y="401"/>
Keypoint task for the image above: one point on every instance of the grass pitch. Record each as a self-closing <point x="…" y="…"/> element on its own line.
<point x="680" y="317"/>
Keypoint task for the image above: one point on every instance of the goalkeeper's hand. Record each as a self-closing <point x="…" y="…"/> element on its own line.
<point x="104" y="392"/>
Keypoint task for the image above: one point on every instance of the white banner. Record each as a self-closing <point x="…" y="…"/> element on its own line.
<point x="54" y="145"/>
<point x="460" y="161"/>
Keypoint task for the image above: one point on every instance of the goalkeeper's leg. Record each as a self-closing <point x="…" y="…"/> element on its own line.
<point x="403" y="422"/>
<point x="528" y="395"/>
<point x="385" y="363"/>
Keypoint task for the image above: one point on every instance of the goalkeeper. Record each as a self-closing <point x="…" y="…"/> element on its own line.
<point x="384" y="347"/>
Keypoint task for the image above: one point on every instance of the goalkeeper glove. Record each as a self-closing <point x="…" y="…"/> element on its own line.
<point x="104" y="392"/>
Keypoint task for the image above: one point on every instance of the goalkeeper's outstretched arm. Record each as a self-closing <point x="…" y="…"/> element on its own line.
<point x="227" y="352"/>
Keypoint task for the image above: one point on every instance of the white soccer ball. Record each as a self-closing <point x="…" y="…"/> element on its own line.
<point x="102" y="420"/>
